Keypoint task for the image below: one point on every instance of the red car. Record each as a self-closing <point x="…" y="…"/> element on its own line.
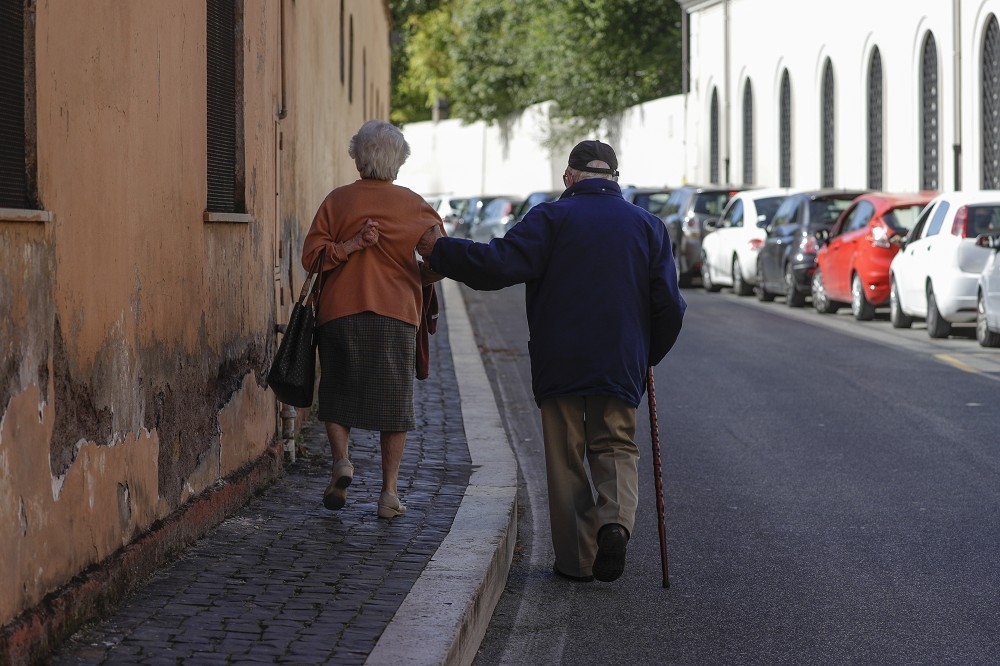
<point x="852" y="264"/>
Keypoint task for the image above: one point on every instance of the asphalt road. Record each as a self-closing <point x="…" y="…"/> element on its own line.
<point x="832" y="496"/>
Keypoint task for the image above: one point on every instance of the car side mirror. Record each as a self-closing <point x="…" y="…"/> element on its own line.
<point x="711" y="224"/>
<point x="822" y="235"/>
<point x="988" y="241"/>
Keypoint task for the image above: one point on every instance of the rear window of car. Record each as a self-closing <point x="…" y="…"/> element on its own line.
<point x="904" y="218"/>
<point x="711" y="203"/>
<point x="824" y="212"/>
<point x="654" y="202"/>
<point x="983" y="219"/>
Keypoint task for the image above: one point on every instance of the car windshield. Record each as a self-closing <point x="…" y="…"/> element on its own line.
<point x="824" y="212"/>
<point x="904" y="218"/>
<point x="711" y="203"/>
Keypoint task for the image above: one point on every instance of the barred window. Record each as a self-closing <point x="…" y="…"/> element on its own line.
<point x="713" y="150"/>
<point x="875" y="145"/>
<point x="929" y="150"/>
<point x="341" y="42"/>
<point x="17" y="150"/>
<point x="785" y="131"/>
<point x="748" y="177"/>
<point x="224" y="55"/>
<point x="827" y="123"/>
<point x="350" y="61"/>
<point x="991" y="106"/>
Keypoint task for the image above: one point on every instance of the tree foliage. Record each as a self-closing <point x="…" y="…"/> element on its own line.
<point x="492" y="58"/>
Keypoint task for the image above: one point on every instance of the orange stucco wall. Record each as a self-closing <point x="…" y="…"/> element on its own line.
<point x="134" y="335"/>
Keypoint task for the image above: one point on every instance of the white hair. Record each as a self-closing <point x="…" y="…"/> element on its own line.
<point x="378" y="150"/>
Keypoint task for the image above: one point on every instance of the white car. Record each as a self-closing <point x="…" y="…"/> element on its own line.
<point x="988" y="297"/>
<point x="729" y="250"/>
<point x="936" y="274"/>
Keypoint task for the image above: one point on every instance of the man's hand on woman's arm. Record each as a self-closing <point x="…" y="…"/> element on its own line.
<point x="426" y="243"/>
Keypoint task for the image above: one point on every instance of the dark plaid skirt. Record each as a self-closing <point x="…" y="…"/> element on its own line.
<point x="367" y="365"/>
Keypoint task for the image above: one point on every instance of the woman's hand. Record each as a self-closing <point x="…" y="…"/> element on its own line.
<point x="367" y="237"/>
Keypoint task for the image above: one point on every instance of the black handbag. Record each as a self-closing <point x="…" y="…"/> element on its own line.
<point x="292" y="376"/>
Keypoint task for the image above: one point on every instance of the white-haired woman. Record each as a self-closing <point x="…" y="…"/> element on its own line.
<point x="370" y="307"/>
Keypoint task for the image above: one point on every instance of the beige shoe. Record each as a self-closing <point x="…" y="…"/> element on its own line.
<point x="389" y="506"/>
<point x="335" y="496"/>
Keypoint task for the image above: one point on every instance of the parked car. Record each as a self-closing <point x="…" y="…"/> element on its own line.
<point x="852" y="263"/>
<point x="729" y="250"/>
<point x="652" y="199"/>
<point x="988" y="296"/>
<point x="786" y="260"/>
<point x="494" y="219"/>
<point x="936" y="275"/>
<point x="448" y="207"/>
<point x="468" y="210"/>
<point x="531" y="201"/>
<point x="685" y="212"/>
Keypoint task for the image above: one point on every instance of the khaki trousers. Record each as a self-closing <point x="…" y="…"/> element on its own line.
<point x="601" y="431"/>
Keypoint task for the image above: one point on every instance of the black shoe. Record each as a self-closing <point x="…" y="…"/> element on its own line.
<point x="575" y="579"/>
<point x="612" y="542"/>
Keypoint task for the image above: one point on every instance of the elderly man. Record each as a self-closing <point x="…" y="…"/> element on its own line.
<point x="602" y="306"/>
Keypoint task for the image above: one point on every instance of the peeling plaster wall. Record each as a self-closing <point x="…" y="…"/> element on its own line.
<point x="134" y="336"/>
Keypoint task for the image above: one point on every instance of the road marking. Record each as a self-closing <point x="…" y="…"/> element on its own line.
<point x="955" y="363"/>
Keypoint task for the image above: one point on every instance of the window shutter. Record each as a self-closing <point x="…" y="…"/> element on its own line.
<point x="221" y="55"/>
<point x="13" y="178"/>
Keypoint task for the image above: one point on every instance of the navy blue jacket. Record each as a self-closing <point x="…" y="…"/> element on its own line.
<point x="601" y="289"/>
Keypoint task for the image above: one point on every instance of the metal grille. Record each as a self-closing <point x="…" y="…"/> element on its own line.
<point x="827" y="122"/>
<point x="13" y="173"/>
<point x="221" y="65"/>
<point x="713" y="157"/>
<point x="929" y="149"/>
<point x="748" y="133"/>
<point x="991" y="106"/>
<point x="785" y="131"/>
<point x="875" y="157"/>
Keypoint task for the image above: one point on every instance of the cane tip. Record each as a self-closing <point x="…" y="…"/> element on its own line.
<point x="666" y="583"/>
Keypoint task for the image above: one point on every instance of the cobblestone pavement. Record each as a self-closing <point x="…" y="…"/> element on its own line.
<point x="286" y="581"/>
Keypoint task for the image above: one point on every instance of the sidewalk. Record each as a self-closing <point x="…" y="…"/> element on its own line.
<point x="286" y="581"/>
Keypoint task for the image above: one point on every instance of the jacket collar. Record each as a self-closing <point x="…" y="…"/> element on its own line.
<point x="593" y="186"/>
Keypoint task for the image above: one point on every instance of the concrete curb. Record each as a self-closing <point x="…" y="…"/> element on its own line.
<point x="444" y="617"/>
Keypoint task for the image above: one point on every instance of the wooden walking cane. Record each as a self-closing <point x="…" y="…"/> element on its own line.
<point x="654" y="432"/>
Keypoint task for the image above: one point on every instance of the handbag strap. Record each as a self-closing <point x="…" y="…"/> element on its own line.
<point x="314" y="273"/>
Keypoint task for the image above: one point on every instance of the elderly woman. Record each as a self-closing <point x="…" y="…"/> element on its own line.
<point x="370" y="307"/>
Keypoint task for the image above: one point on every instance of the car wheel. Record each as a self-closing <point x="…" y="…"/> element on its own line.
<point x="897" y="317"/>
<point x="821" y="301"/>
<point x="740" y="286"/>
<point x="763" y="294"/>
<point x="984" y="335"/>
<point x="706" y="276"/>
<point x="860" y="307"/>
<point x="793" y="297"/>
<point x="937" y="327"/>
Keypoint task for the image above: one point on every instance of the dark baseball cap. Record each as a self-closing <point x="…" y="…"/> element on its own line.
<point x="588" y="151"/>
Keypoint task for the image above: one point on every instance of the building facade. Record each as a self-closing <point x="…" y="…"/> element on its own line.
<point x="160" y="163"/>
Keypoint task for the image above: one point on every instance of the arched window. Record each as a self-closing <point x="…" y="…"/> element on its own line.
<point x="713" y="150"/>
<point x="991" y="106"/>
<point x="748" y="133"/>
<point x="929" y="150"/>
<point x="827" y="124"/>
<point x="875" y="138"/>
<point x="785" y="131"/>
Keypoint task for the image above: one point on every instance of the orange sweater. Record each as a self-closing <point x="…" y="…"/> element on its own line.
<point x="384" y="278"/>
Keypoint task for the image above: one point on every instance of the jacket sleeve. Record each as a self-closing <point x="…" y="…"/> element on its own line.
<point x="517" y="257"/>
<point x="667" y="306"/>
<point x="320" y="236"/>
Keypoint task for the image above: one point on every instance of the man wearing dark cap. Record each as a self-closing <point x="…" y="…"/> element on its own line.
<point x="603" y="305"/>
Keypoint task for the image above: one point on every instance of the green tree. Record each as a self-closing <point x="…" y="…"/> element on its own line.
<point x="492" y="58"/>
